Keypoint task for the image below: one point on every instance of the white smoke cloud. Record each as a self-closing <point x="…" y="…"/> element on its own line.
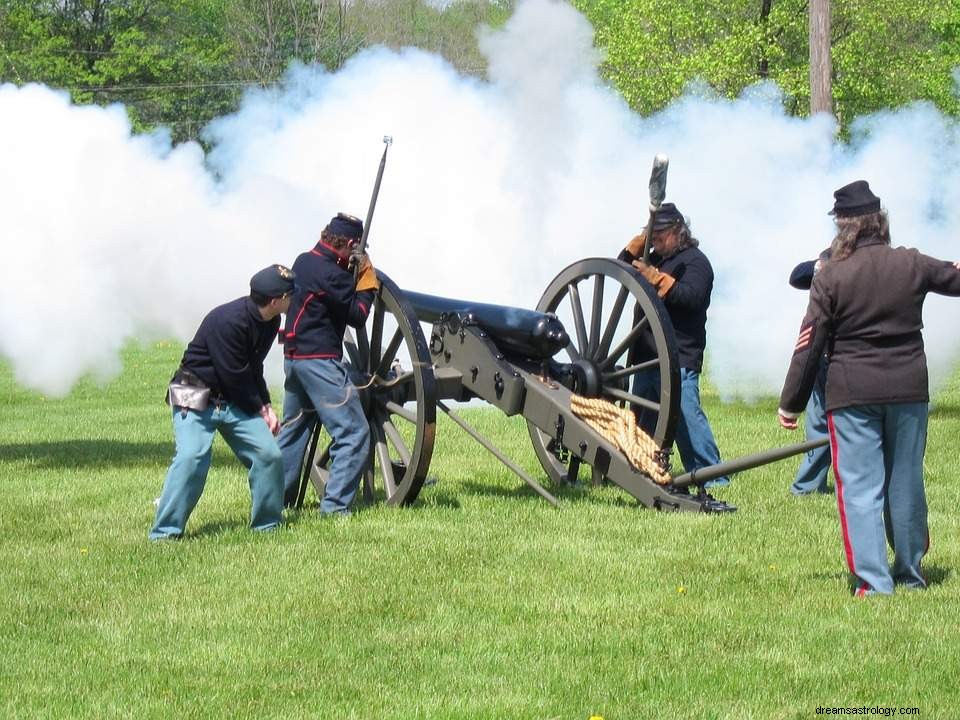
<point x="491" y="188"/>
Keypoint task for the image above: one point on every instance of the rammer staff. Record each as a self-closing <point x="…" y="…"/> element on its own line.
<point x="658" y="191"/>
<point x="362" y="248"/>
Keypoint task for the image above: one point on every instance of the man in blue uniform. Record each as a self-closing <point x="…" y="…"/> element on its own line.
<point x="329" y="296"/>
<point x="220" y="386"/>
<point x="812" y="473"/>
<point x="683" y="278"/>
<point x="866" y="305"/>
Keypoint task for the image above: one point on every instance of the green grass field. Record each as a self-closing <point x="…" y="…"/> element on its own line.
<point x="481" y="601"/>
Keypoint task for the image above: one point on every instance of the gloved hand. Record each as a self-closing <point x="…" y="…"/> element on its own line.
<point x="661" y="281"/>
<point x="366" y="275"/>
<point x="635" y="246"/>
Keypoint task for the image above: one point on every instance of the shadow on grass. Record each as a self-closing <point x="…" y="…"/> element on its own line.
<point x="565" y="493"/>
<point x="82" y="453"/>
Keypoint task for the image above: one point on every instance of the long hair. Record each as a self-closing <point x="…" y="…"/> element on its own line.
<point x="685" y="238"/>
<point x="851" y="229"/>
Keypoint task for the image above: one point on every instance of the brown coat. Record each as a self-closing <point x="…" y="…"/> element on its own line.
<point x="866" y="312"/>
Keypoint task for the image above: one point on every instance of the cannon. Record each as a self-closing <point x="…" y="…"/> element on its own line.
<point x="576" y="344"/>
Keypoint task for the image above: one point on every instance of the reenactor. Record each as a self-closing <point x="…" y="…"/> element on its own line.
<point x="683" y="278"/>
<point x="329" y="296"/>
<point x="866" y="306"/>
<point x="219" y="386"/>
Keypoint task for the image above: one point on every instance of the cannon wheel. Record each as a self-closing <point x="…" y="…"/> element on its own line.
<point x="400" y="408"/>
<point x="622" y="307"/>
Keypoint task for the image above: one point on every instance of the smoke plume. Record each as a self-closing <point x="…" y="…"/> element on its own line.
<point x="491" y="188"/>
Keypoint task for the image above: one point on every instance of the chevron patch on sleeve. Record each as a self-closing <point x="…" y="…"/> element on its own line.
<point x="803" y="340"/>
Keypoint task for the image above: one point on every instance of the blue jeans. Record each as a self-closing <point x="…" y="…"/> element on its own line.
<point x="321" y="391"/>
<point x="812" y="474"/>
<point x="878" y="467"/>
<point x="249" y="438"/>
<point x="695" y="442"/>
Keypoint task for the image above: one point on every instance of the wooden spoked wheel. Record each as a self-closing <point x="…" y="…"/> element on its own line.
<point x="392" y="369"/>
<point x="619" y="330"/>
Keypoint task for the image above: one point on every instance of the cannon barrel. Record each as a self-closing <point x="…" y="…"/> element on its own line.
<point x="528" y="333"/>
<point x="746" y="462"/>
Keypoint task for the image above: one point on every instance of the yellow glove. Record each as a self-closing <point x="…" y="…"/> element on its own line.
<point x="661" y="282"/>
<point x="635" y="246"/>
<point x="366" y="275"/>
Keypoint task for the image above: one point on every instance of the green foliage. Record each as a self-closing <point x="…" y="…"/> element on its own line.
<point x="180" y="63"/>
<point x="479" y="602"/>
<point x="169" y="62"/>
<point x="886" y="53"/>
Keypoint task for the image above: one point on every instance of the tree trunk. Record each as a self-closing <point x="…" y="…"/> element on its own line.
<point x="821" y="92"/>
<point x="763" y="66"/>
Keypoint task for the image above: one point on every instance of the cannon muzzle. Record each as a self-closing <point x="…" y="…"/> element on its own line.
<point x="698" y="477"/>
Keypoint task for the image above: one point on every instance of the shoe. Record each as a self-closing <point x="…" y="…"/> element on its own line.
<point x="719" y="482"/>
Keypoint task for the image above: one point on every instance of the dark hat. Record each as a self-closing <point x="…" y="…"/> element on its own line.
<point x="273" y="281"/>
<point x="667" y="216"/>
<point x="346" y="226"/>
<point x="855" y="199"/>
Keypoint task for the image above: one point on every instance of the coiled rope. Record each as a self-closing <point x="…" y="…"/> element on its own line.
<point x="619" y="426"/>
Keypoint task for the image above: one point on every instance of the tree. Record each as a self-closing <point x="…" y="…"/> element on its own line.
<point x="885" y="53"/>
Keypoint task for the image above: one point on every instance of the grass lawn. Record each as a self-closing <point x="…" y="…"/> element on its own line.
<point x="481" y="601"/>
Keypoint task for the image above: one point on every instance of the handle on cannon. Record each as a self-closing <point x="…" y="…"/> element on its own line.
<point x="658" y="191"/>
<point x="387" y="142"/>
<point x="698" y="477"/>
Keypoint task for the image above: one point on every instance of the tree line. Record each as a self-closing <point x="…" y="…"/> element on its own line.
<point x="180" y="63"/>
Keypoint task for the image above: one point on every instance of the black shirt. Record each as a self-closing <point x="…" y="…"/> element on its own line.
<point x="687" y="301"/>
<point x="228" y="350"/>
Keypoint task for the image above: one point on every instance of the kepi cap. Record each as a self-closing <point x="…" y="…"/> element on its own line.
<point x="854" y="200"/>
<point x="346" y="226"/>
<point x="273" y="281"/>
<point x="667" y="216"/>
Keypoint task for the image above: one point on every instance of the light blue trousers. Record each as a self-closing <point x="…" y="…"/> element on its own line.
<point x="812" y="474"/>
<point x="249" y="438"/>
<point x="878" y="466"/>
<point x="320" y="390"/>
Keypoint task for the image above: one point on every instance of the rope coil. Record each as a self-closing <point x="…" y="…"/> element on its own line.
<point x="619" y="426"/>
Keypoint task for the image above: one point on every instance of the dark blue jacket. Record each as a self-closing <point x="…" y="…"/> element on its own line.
<point x="228" y="350"/>
<point x="687" y="301"/>
<point x="325" y="301"/>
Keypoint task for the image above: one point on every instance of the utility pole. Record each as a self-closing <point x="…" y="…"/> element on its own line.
<point x="821" y="91"/>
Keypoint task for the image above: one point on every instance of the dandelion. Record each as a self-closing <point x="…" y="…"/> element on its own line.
<point x="83" y="551"/>
<point x="596" y="717"/>
<point x="681" y="590"/>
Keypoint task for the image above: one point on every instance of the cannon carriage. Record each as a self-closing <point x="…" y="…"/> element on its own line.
<point x="526" y="362"/>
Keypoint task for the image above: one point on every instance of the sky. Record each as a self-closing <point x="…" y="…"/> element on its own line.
<point x="492" y="187"/>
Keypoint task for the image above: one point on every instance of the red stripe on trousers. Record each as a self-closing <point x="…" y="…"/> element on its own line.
<point x="834" y="452"/>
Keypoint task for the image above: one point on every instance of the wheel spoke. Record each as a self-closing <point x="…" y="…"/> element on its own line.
<point x="616" y="375"/>
<point x="401" y="411"/>
<point x="633" y="399"/>
<point x="596" y="313"/>
<point x="578" y="323"/>
<point x="363" y="350"/>
<point x="624" y="344"/>
<point x="394" y="435"/>
<point x="572" y="352"/>
<point x="612" y="322"/>
<point x="376" y="332"/>
<point x="390" y="353"/>
<point x="386" y="464"/>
